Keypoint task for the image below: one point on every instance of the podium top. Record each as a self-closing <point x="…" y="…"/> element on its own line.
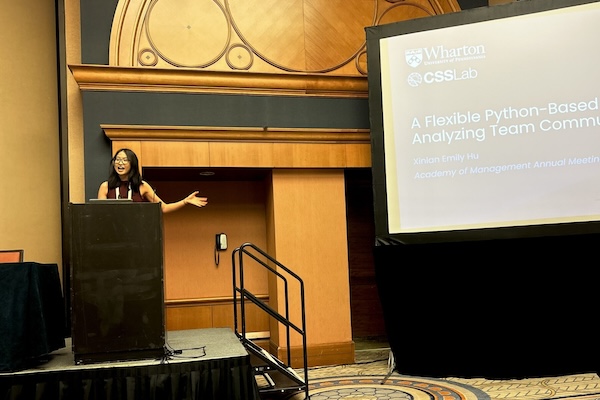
<point x="111" y="201"/>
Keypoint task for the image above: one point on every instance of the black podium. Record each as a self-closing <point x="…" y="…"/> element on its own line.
<point x="117" y="292"/>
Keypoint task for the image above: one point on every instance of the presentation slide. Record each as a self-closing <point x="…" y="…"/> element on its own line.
<point x="493" y="123"/>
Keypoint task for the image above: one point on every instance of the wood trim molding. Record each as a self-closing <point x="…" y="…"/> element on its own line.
<point x="236" y="134"/>
<point x="207" y="301"/>
<point x="317" y="354"/>
<point x="113" y="78"/>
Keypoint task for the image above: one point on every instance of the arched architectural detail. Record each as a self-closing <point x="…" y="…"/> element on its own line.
<point x="297" y="36"/>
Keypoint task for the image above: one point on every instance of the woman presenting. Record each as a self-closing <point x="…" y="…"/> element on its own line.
<point x="125" y="182"/>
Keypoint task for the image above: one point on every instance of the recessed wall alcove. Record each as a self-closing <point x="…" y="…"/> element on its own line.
<point x="282" y="189"/>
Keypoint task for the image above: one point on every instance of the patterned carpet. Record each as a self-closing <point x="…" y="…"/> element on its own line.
<point x="369" y="379"/>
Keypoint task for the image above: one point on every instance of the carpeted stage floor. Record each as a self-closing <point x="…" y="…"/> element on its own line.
<point x="195" y="344"/>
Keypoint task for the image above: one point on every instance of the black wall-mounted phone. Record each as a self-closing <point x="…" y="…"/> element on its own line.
<point x="221" y="241"/>
<point x="220" y="245"/>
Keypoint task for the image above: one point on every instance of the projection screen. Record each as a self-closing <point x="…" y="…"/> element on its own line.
<point x="486" y="122"/>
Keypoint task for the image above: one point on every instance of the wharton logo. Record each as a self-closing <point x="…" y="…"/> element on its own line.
<point x="443" y="55"/>
<point x="414" y="57"/>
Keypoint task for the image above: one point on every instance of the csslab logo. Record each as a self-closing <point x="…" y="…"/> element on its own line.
<point x="449" y="75"/>
<point x="413" y="57"/>
<point x="415" y="79"/>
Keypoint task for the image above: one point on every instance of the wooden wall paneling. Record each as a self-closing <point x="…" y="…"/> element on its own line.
<point x="141" y="79"/>
<point x="189" y="317"/>
<point x="309" y="223"/>
<point x="256" y="154"/>
<point x="134" y="145"/>
<point x="299" y="155"/>
<point x="215" y="313"/>
<point x="314" y="36"/>
<point x="190" y="269"/>
<point x="226" y="154"/>
<point x="318" y="354"/>
<point x="175" y="153"/>
<point x="334" y="33"/>
<point x="282" y="21"/>
<point x="272" y="251"/>
<point x="257" y="321"/>
<point x="358" y="155"/>
<point x="223" y="315"/>
<point x="236" y="208"/>
<point x="247" y="147"/>
<point x="166" y="29"/>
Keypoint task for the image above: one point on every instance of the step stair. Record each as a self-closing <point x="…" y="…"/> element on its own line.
<point x="272" y="375"/>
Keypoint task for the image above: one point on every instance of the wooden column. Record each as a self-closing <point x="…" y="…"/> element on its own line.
<point x="306" y="224"/>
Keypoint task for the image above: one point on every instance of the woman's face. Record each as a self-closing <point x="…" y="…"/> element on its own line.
<point x="122" y="165"/>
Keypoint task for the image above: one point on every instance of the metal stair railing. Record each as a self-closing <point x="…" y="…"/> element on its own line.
<point x="241" y="295"/>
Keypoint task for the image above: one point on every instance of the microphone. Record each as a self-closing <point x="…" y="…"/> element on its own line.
<point x="153" y="193"/>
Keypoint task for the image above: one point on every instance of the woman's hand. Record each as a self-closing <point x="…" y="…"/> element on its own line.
<point x="194" y="200"/>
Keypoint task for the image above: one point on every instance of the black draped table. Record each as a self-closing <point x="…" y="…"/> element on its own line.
<point x="32" y="314"/>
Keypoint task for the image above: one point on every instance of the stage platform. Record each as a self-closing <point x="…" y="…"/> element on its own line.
<point x="198" y="364"/>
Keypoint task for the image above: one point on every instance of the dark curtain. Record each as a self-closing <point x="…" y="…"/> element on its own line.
<point x="221" y="379"/>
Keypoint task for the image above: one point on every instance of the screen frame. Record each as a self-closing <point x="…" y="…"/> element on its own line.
<point x="373" y="36"/>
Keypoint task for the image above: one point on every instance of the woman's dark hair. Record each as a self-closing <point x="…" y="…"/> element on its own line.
<point x="134" y="177"/>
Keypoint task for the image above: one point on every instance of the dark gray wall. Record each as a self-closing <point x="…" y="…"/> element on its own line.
<point x="96" y="22"/>
<point x="465" y="4"/>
